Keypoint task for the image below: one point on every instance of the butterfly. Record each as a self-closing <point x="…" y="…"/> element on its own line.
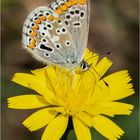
<point x="58" y="34"/>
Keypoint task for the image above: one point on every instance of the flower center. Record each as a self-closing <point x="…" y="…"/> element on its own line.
<point x="71" y="109"/>
<point x="70" y="112"/>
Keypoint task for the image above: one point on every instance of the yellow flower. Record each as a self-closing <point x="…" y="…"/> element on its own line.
<point x="85" y="97"/>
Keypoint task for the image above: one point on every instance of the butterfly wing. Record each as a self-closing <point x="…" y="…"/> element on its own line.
<point x="76" y="14"/>
<point x="46" y="36"/>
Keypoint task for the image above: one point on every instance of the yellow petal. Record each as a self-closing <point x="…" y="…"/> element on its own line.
<point x="82" y="131"/>
<point x="91" y="58"/>
<point x="100" y="94"/>
<point x="59" y="109"/>
<point x="87" y="54"/>
<point x="86" y="87"/>
<point x="49" y="76"/>
<point x="84" y="117"/>
<point x="40" y="72"/>
<point x="43" y="90"/>
<point x="39" y="119"/>
<point x="36" y="83"/>
<point x="83" y="90"/>
<point x="107" y="128"/>
<point x="102" y="67"/>
<point x="51" y="72"/>
<point x="110" y="108"/>
<point x="55" y="79"/>
<point x="26" y="102"/>
<point x="65" y="86"/>
<point x="55" y="128"/>
<point x="118" y="88"/>
<point x="119" y="85"/>
<point x="23" y="79"/>
<point x="96" y="109"/>
<point x="117" y="108"/>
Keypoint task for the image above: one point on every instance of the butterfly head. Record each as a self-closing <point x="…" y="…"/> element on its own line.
<point x="84" y="65"/>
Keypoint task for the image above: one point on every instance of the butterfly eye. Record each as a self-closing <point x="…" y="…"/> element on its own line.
<point x="84" y="65"/>
<point x="67" y="43"/>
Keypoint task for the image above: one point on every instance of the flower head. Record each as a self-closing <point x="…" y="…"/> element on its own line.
<point x="84" y="96"/>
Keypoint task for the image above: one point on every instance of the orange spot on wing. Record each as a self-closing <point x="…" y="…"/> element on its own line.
<point x="58" y="11"/>
<point x="43" y="18"/>
<point x="33" y="33"/>
<point x="35" y="27"/>
<point x="50" y="17"/>
<point x="75" y="1"/>
<point x="82" y="2"/>
<point x="63" y="7"/>
<point x="69" y="4"/>
<point x="57" y="19"/>
<point x="38" y="21"/>
<point x="32" y="45"/>
<point x="33" y="40"/>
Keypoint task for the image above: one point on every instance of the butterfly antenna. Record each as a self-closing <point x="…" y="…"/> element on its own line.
<point x="98" y="75"/>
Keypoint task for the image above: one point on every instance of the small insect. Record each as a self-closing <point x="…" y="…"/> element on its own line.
<point x="58" y="34"/>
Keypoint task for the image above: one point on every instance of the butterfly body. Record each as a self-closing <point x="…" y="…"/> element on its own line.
<point x="58" y="34"/>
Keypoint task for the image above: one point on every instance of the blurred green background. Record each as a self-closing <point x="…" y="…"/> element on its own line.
<point x="113" y="27"/>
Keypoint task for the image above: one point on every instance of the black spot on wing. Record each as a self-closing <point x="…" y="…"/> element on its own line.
<point x="44" y="47"/>
<point x="66" y="22"/>
<point x="72" y="12"/>
<point x="45" y="28"/>
<point x="77" y="11"/>
<point x="82" y="14"/>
